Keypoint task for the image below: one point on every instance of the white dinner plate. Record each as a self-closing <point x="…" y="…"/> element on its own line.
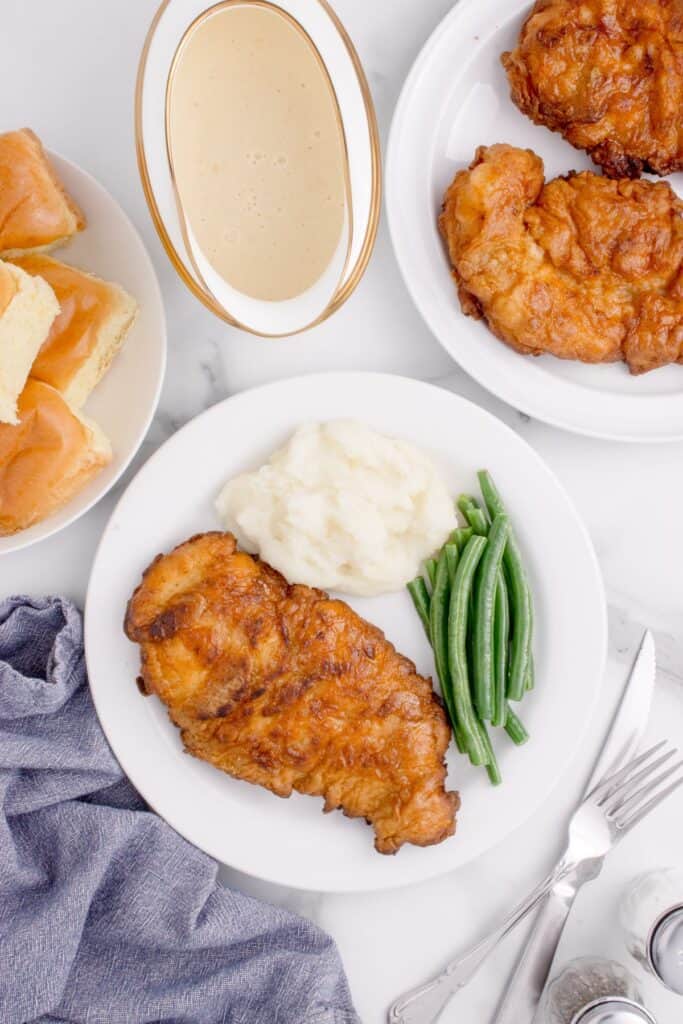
<point x="290" y="841"/>
<point x="124" y="402"/>
<point x="455" y="99"/>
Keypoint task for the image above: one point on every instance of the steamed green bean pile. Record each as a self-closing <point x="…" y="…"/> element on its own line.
<point x="475" y="604"/>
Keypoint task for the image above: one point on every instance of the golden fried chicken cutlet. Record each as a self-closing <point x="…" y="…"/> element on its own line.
<point x="608" y="75"/>
<point x="283" y="687"/>
<point x="582" y="267"/>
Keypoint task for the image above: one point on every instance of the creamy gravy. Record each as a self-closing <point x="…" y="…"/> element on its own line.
<point x="258" y="151"/>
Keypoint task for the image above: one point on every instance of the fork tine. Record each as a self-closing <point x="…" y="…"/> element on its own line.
<point x="634" y="799"/>
<point x="607" y="784"/>
<point x="629" y="823"/>
<point x="621" y="793"/>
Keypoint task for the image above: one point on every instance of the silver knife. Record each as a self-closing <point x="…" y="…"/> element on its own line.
<point x="522" y="996"/>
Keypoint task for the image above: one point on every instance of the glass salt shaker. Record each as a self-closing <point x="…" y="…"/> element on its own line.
<point x="651" y="914"/>
<point x="591" y="990"/>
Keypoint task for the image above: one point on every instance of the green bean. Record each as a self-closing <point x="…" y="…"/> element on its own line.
<point x="492" y="499"/>
<point x="515" y="729"/>
<point x="479" y="525"/>
<point x="485" y="596"/>
<point x="452" y="554"/>
<point x="474" y="514"/>
<point x="476" y="517"/>
<point x="530" y="673"/>
<point x="472" y="729"/>
<point x="466" y="501"/>
<point x="501" y="640"/>
<point x="458" y="737"/>
<point x="417" y="589"/>
<point x="438" y="625"/>
<point x="422" y="601"/>
<point x="474" y="603"/>
<point x="492" y="769"/>
<point x="438" y="630"/>
<point x="521" y="611"/>
<point x="460" y="537"/>
<point x="469" y="643"/>
<point x="478" y="521"/>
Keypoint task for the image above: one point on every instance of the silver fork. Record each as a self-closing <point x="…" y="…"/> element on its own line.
<point x="615" y="806"/>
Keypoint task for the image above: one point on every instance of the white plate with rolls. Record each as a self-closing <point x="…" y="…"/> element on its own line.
<point x="124" y="401"/>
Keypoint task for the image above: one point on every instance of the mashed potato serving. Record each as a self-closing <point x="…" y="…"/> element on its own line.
<point x="342" y="507"/>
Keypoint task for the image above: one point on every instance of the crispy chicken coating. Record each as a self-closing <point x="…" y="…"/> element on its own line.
<point x="283" y="687"/>
<point x="608" y="75"/>
<point x="582" y="267"/>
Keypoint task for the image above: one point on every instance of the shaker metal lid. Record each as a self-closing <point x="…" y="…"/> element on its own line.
<point x="665" y="950"/>
<point x="613" y="1011"/>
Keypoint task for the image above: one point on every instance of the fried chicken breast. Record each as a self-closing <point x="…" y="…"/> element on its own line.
<point x="283" y="687"/>
<point x="582" y="267"/>
<point x="608" y="75"/>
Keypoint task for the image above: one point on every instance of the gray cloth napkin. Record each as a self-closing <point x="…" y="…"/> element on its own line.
<point x="107" y="916"/>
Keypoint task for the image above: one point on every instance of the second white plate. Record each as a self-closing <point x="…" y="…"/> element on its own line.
<point x="455" y="99"/>
<point x="290" y="841"/>
<point x="125" y="401"/>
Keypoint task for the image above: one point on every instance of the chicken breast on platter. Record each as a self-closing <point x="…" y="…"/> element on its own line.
<point x="283" y="687"/>
<point x="582" y="267"/>
<point x="608" y="75"/>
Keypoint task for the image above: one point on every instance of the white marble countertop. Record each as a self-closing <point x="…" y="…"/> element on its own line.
<point x="69" y="71"/>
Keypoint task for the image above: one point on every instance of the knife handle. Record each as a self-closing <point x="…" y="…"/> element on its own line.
<point x="424" y="1004"/>
<point x="522" y="996"/>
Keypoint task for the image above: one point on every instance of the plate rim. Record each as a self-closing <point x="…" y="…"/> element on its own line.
<point x="391" y="187"/>
<point x="601" y="632"/>
<point x="19" y="541"/>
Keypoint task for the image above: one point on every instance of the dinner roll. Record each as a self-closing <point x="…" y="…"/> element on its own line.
<point x="28" y="308"/>
<point x="35" y="211"/>
<point x="46" y="458"/>
<point x="94" y="320"/>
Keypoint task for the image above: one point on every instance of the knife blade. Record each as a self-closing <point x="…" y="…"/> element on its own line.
<point x="522" y="995"/>
<point x="630" y="719"/>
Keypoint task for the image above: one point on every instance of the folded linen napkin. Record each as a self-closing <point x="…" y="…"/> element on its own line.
<point x="107" y="916"/>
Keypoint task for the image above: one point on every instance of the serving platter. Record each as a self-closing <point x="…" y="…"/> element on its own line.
<point x="291" y="842"/>
<point x="125" y="401"/>
<point x="455" y="99"/>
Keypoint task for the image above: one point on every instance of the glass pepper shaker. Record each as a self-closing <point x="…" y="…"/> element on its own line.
<point x="651" y="914"/>
<point x="591" y="990"/>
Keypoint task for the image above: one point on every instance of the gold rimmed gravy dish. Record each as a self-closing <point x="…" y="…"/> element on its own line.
<point x="258" y="151"/>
